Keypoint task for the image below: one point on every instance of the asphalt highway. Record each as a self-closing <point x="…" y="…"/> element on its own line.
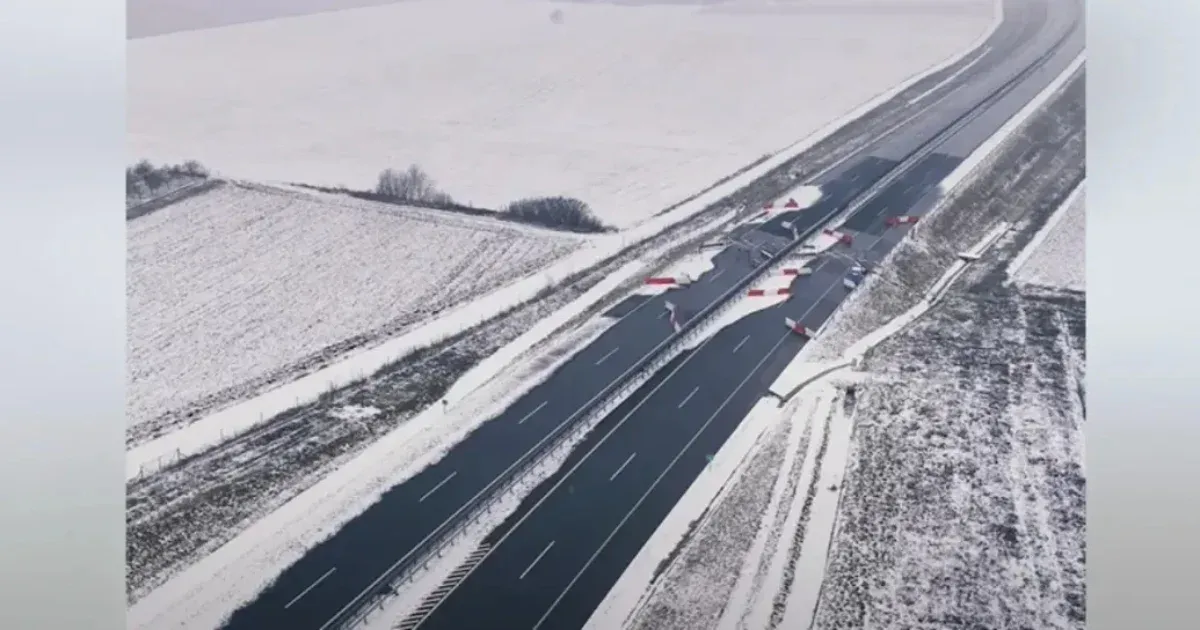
<point x="551" y="563"/>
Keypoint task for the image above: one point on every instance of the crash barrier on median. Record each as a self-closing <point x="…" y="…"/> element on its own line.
<point x="607" y="400"/>
<point x="768" y="292"/>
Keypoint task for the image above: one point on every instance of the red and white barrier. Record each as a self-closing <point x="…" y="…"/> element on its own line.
<point x="797" y="327"/>
<point x="842" y="237"/>
<point x="790" y="204"/>
<point x="766" y="292"/>
<point x="679" y="280"/>
<point x="903" y="219"/>
<point x="797" y="271"/>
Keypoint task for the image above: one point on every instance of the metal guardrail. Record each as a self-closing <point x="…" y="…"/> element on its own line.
<point x="620" y="388"/>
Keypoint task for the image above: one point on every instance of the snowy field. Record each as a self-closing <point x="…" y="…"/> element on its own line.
<point x="965" y="499"/>
<point x="244" y="286"/>
<point x="607" y="105"/>
<point x="1057" y="259"/>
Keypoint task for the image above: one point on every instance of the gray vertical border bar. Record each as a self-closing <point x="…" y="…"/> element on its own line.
<point x="1143" y="437"/>
<point x="62" y="314"/>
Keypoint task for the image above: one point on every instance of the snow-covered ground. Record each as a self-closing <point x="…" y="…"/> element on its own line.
<point x="606" y="106"/>
<point x="1055" y="258"/>
<point x="965" y="500"/>
<point x="243" y="286"/>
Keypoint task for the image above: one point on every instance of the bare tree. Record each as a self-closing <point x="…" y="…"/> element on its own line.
<point x="195" y="169"/>
<point x="413" y="184"/>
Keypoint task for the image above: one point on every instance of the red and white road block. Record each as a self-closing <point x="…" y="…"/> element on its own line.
<point x="669" y="281"/>
<point x="768" y="292"/>
<point x="842" y="237"/>
<point x="904" y="219"/>
<point x="790" y="204"/>
<point x="797" y="271"/>
<point x="797" y="327"/>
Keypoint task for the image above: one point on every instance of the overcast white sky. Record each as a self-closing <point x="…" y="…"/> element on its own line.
<point x="157" y="17"/>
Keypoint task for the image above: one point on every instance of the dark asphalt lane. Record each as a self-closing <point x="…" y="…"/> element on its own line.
<point x="689" y="414"/>
<point x="872" y="217"/>
<point x="332" y="574"/>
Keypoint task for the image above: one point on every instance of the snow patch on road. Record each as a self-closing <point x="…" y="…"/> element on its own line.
<point x="805" y="197"/>
<point x="684" y="271"/>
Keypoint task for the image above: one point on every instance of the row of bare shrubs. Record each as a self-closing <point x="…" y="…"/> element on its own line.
<point x="414" y="187"/>
<point x="145" y="181"/>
